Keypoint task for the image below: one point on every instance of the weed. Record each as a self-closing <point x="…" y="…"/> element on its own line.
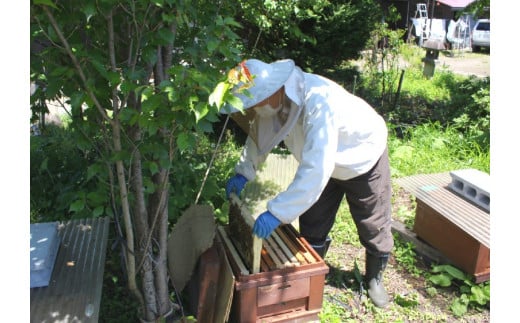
<point x="472" y="294"/>
<point x="404" y="254"/>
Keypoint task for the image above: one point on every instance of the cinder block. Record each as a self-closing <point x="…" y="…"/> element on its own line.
<point x="45" y="243"/>
<point x="473" y="185"/>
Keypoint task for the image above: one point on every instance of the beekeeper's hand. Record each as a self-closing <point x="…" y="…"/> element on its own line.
<point x="265" y="224"/>
<point x="235" y="185"/>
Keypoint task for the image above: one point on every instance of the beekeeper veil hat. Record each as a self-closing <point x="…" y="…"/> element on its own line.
<point x="267" y="79"/>
<point x="268" y="125"/>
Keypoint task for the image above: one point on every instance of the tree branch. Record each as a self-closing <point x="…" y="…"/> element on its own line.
<point x="65" y="43"/>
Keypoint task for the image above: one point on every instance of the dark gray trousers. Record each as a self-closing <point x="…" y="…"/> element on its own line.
<point x="369" y="199"/>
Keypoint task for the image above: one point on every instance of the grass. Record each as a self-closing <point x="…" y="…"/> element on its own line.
<point x="431" y="148"/>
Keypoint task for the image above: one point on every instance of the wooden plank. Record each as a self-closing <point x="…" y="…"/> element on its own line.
<point x="266" y="257"/>
<point x="294" y="238"/>
<point x="232" y="251"/>
<point x="421" y="247"/>
<point x="202" y="288"/>
<point x="226" y="285"/>
<point x="290" y="255"/>
<point x="292" y="247"/>
<point x="263" y="265"/>
<point x="276" y="249"/>
<point x="277" y="261"/>
<point x="76" y="283"/>
<point x="248" y="245"/>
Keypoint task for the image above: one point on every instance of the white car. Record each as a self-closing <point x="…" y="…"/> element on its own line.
<point x="480" y="35"/>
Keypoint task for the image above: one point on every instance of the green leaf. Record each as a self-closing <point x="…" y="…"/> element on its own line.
<point x="152" y="128"/>
<point x="201" y="111"/>
<point x="212" y="45"/>
<point x="217" y="96"/>
<point x="150" y="55"/>
<point x="166" y="35"/>
<point x="450" y="270"/>
<point x="232" y="22"/>
<point x="98" y="211"/>
<point x="151" y="103"/>
<point x="114" y="78"/>
<point x="236" y="102"/>
<point x="149" y="186"/>
<point x="478" y="296"/>
<point x="168" y="18"/>
<point x="127" y="86"/>
<point x="93" y="170"/>
<point x="459" y="307"/>
<point x="154" y="169"/>
<point x="185" y="141"/>
<point x="102" y="70"/>
<point x="205" y="126"/>
<point x="77" y="99"/>
<point x="77" y="206"/>
<point x="406" y="301"/>
<point x="96" y="197"/>
<point x="89" y="10"/>
<point x="441" y="280"/>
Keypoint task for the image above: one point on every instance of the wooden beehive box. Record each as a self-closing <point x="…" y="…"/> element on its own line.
<point x="283" y="280"/>
<point x="278" y="293"/>
<point x="454" y="226"/>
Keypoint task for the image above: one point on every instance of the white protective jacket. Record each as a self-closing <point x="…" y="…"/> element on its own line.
<point x="337" y="135"/>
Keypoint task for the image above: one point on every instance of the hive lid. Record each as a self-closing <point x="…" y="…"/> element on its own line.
<point x="44" y="248"/>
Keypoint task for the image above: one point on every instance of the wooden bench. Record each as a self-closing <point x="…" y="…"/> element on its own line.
<point x="74" y="291"/>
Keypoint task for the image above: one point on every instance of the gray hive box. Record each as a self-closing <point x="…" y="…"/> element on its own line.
<point x="44" y="248"/>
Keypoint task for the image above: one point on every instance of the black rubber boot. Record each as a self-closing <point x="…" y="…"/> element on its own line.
<point x="375" y="265"/>
<point x="322" y="248"/>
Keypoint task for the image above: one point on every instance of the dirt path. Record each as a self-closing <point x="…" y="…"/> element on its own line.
<point x="466" y="63"/>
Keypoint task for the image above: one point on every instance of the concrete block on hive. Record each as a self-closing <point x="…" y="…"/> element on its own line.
<point x="473" y="185"/>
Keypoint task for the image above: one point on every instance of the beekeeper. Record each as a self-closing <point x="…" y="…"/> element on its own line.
<point x="340" y="142"/>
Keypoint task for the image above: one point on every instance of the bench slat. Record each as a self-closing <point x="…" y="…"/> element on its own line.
<point x="74" y="291"/>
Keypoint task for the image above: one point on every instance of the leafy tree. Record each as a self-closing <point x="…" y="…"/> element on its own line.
<point x="316" y="34"/>
<point x="479" y="8"/>
<point x="137" y="75"/>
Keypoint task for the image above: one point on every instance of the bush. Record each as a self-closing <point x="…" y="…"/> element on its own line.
<point x="316" y="34"/>
<point x="58" y="172"/>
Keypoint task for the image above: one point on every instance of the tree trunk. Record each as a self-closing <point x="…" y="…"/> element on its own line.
<point x="123" y="192"/>
<point x="159" y="208"/>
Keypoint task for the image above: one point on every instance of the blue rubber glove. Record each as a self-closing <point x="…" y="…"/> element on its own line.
<point x="265" y="224"/>
<point x="235" y="184"/>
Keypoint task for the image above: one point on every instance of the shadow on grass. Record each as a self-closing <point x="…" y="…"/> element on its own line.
<point x="340" y="278"/>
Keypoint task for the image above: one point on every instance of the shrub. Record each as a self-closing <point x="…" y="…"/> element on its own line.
<point x="58" y="173"/>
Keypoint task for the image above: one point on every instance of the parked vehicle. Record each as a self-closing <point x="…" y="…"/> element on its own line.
<point x="480" y="35"/>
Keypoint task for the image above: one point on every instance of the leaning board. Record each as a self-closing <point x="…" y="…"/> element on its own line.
<point x="275" y="252"/>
